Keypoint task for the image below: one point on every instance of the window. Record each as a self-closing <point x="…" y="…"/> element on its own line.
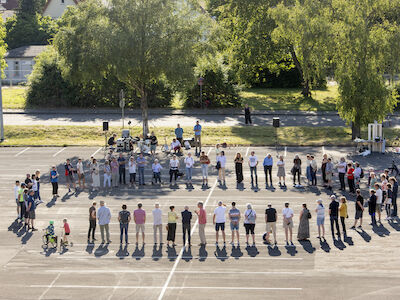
<point x="16" y="69"/>
<point x="62" y="1"/>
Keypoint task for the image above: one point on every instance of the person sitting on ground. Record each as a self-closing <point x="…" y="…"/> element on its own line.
<point x="112" y="140"/>
<point x="176" y="146"/>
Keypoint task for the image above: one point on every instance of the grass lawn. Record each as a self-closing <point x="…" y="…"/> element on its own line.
<point x="14" y="97"/>
<point x="290" y="99"/>
<point x="236" y="135"/>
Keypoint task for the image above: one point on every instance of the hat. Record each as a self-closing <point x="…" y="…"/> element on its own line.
<point x="333" y="197"/>
<point x="319" y="200"/>
<point x="269" y="204"/>
<point x="51" y="222"/>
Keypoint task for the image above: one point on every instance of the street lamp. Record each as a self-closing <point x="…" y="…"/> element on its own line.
<point x="200" y="82"/>
<point x="122" y="104"/>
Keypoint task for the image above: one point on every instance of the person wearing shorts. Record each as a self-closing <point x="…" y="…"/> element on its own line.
<point x="250" y="222"/>
<point x="139" y="216"/>
<point x="234" y="216"/>
<point x="219" y="221"/>
<point x="69" y="175"/>
<point x="320" y="210"/>
<point x="288" y="223"/>
<point x="271" y="217"/>
<point x="31" y="210"/>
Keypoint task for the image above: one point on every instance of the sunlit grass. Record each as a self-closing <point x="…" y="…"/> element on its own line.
<point x="14" y="97"/>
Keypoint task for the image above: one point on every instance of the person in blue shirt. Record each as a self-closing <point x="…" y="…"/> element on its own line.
<point x="197" y="137"/>
<point x="141" y="163"/>
<point x="54" y="180"/>
<point x="179" y="134"/>
<point x="121" y="169"/>
<point x="268" y="163"/>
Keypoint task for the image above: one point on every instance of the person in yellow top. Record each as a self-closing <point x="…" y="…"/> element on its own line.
<point x="343" y="213"/>
<point x="172" y="217"/>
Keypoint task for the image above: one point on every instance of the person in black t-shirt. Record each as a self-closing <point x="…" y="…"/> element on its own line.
<point x="153" y="143"/>
<point x="334" y="214"/>
<point x="271" y="217"/>
<point x="124" y="217"/>
<point x="359" y="209"/>
<point x="372" y="207"/>
<point x="111" y="141"/>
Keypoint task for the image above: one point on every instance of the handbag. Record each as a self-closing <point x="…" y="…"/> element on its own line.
<point x="166" y="227"/>
<point x="309" y="215"/>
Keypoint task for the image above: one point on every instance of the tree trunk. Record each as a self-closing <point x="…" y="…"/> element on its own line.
<point x="144" y="108"/>
<point x="355" y="131"/>
<point x="306" y="84"/>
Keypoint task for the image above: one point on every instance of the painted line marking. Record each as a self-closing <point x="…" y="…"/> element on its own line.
<point x="167" y="271"/>
<point x="19" y="153"/>
<point x="209" y="150"/>
<point x="181" y="252"/>
<point x="96" y="151"/>
<point x="66" y="286"/>
<point x="49" y="287"/>
<point x="285" y="151"/>
<point x="323" y="150"/>
<point x="58" y="152"/>
<point x="247" y="151"/>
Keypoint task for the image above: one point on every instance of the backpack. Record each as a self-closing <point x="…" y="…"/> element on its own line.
<point x="124" y="217"/>
<point x="362" y="173"/>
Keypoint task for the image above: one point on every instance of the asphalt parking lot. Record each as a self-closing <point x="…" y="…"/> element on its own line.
<point x="365" y="264"/>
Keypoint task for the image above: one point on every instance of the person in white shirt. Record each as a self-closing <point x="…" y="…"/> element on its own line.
<point x="281" y="171"/>
<point x="253" y="162"/>
<point x="341" y="167"/>
<point x="157" y="223"/>
<point x="219" y="220"/>
<point x="288" y="222"/>
<point x="221" y="163"/>
<point x="81" y="174"/>
<point x="320" y="210"/>
<point x="132" y="170"/>
<point x="156" y="167"/>
<point x="34" y="186"/>
<point x="357" y="175"/>
<point x="16" y="196"/>
<point x="379" y="200"/>
<point x="176" y="146"/>
<point x="173" y="169"/>
<point x="314" y="168"/>
<point x="189" y="162"/>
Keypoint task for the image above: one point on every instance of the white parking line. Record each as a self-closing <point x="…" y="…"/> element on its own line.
<point x="101" y="271"/>
<point x="69" y="286"/>
<point x="285" y="151"/>
<point x="323" y="150"/>
<point x="58" y="152"/>
<point x="209" y="150"/>
<point x="49" y="287"/>
<point x="247" y="151"/>
<point x="181" y="252"/>
<point x="19" y="153"/>
<point x="96" y="151"/>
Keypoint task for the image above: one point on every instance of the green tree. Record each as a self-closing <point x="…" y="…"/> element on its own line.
<point x="29" y="27"/>
<point x="303" y="31"/>
<point x="140" y="41"/>
<point x="363" y="36"/>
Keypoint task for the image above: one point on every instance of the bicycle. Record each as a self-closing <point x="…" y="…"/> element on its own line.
<point x="49" y="240"/>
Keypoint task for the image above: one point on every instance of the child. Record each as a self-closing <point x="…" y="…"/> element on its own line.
<point x="388" y="201"/>
<point x="50" y="231"/>
<point x="67" y="231"/>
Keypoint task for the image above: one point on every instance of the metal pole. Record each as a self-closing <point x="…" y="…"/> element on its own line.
<point x="201" y="96"/>
<point x="123" y="117"/>
<point x="1" y="115"/>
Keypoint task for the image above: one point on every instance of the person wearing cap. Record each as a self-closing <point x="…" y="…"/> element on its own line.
<point x="271" y="216"/>
<point x="320" y="210"/>
<point x="219" y="220"/>
<point x="288" y="223"/>
<point x="334" y="216"/>
<point x="156" y="167"/>
<point x="54" y="180"/>
<point x="50" y="231"/>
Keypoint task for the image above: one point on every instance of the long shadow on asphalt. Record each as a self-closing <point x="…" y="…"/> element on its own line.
<point x="122" y="252"/>
<point x="236" y="252"/>
<point x="101" y="250"/>
<point x="394" y="225"/>
<point x="187" y="254"/>
<point x="380" y="230"/>
<point x="364" y="235"/>
<point x="274" y="251"/>
<point x="157" y="253"/>
<point x="90" y="248"/>
<point x="203" y="254"/>
<point x="220" y="253"/>
<point x="138" y="254"/>
<point x="324" y="245"/>
<point x="307" y="246"/>
<point x="291" y="250"/>
<point x="252" y="251"/>
<point x="171" y="253"/>
<point x="338" y="243"/>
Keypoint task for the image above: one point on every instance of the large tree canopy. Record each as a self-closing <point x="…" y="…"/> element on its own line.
<point x="140" y="41"/>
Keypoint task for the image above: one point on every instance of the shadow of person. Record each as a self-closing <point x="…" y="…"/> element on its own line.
<point x="122" y="251"/>
<point x="291" y="250"/>
<point x="171" y="253"/>
<point x="364" y="235"/>
<point x="324" y="245"/>
<point x="203" y="254"/>
<point x="380" y="230"/>
<point x="50" y="251"/>
<point x="187" y="253"/>
<point x="63" y="250"/>
<point x="307" y="246"/>
<point x="93" y="194"/>
<point x="252" y="250"/>
<point x="236" y="252"/>
<point x="52" y="202"/>
<point x="138" y="254"/>
<point x="15" y="226"/>
<point x="394" y="225"/>
<point x="25" y="238"/>
<point x="339" y="244"/>
<point x="66" y="197"/>
<point x="274" y="250"/>
<point x="157" y="252"/>
<point x="89" y="248"/>
<point x="220" y="253"/>
<point x="101" y="250"/>
<point x="348" y="240"/>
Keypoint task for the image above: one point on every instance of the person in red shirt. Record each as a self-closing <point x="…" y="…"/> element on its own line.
<point x="350" y="177"/>
<point x="67" y="231"/>
<point x="202" y="215"/>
